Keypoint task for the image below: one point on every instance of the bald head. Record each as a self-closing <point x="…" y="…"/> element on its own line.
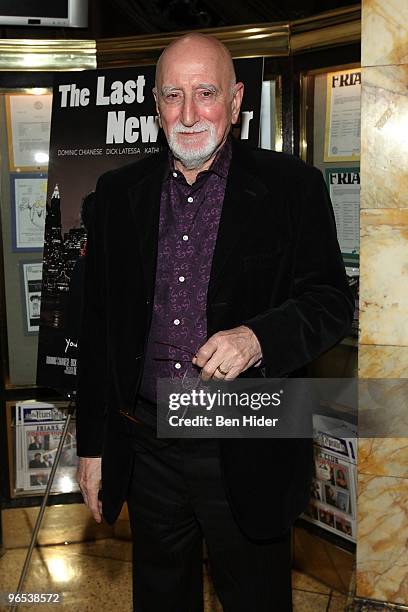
<point x="196" y="45"/>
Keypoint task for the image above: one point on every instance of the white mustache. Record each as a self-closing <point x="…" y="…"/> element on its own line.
<point x="197" y="129"/>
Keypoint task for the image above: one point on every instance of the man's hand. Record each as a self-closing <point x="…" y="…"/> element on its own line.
<point x="228" y="353"/>
<point x="89" y="477"/>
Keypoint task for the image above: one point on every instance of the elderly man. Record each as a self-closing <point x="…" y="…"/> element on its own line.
<point x="208" y="259"/>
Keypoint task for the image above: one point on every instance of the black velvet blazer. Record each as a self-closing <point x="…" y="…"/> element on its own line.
<point x="276" y="268"/>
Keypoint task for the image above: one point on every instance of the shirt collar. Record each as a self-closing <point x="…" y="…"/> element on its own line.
<point x="219" y="166"/>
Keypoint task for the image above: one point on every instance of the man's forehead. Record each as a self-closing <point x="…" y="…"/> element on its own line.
<point x="196" y="74"/>
<point x="193" y="57"/>
<point x="192" y="64"/>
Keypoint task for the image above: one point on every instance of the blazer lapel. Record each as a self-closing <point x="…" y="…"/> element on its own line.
<point x="144" y="199"/>
<point x="243" y="192"/>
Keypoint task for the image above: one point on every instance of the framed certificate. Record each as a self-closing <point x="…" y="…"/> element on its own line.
<point x="344" y="188"/>
<point x="342" y="133"/>
<point x="28" y="210"/>
<point x="28" y="131"/>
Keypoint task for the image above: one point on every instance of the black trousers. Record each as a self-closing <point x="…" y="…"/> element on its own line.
<point x="176" y="497"/>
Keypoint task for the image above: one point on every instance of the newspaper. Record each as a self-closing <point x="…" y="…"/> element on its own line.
<point x="333" y="493"/>
<point x="38" y="430"/>
<point x="332" y="502"/>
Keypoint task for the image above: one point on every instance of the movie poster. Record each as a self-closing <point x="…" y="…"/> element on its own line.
<point x="101" y="119"/>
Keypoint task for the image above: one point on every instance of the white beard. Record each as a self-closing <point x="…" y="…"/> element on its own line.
<point x="193" y="157"/>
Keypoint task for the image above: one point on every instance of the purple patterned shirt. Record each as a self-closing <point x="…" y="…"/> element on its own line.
<point x="188" y="226"/>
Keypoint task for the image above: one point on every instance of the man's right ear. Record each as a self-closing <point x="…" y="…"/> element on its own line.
<point x="159" y="117"/>
<point x="154" y="90"/>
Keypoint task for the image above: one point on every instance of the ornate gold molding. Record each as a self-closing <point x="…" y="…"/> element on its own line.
<point x="47" y="55"/>
<point x="333" y="18"/>
<point x="256" y="40"/>
<point x="339" y="27"/>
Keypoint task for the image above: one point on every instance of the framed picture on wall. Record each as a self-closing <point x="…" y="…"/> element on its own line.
<point x="28" y="131"/>
<point x="28" y="211"/>
<point x="31" y="277"/>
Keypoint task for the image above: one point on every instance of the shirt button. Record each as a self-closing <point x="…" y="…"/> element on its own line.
<point x="177" y="365"/>
<point x="185" y="237"/>
<point x="182" y="279"/>
<point x="175" y="174"/>
<point x="176" y="321"/>
<point x="190" y="199"/>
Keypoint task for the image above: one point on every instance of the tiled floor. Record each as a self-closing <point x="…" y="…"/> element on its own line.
<point x="96" y="576"/>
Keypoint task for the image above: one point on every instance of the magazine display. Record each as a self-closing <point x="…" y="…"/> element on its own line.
<point x="333" y="493"/>
<point x="38" y="430"/>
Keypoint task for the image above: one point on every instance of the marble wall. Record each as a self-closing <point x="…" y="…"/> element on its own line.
<point x="382" y="552"/>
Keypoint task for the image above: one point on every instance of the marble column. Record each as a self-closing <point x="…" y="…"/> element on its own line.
<point x="382" y="551"/>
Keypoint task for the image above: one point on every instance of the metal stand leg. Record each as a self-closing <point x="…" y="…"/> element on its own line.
<point x="71" y="411"/>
